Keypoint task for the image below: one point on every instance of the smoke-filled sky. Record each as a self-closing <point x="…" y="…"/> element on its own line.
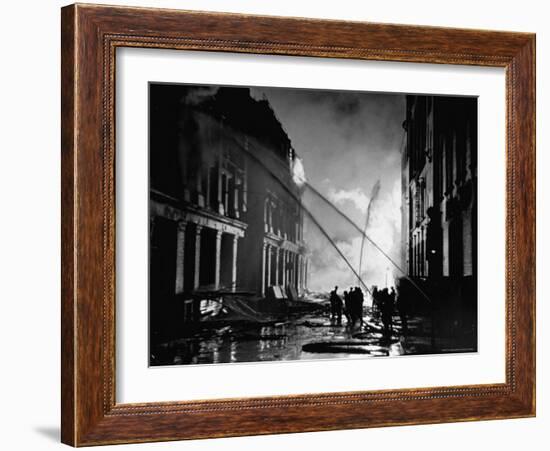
<point x="348" y="141"/>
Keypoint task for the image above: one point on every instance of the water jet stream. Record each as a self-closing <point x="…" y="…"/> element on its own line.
<point x="373" y="196"/>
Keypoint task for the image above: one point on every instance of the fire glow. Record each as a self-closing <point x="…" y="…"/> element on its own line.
<point x="298" y="172"/>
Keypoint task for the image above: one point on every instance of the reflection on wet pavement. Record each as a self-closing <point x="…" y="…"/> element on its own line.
<point x="311" y="335"/>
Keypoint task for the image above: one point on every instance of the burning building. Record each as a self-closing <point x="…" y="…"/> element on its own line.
<point x="225" y="210"/>
<point x="439" y="200"/>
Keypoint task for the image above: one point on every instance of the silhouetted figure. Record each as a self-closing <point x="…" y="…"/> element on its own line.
<point x="387" y="313"/>
<point x="332" y="300"/>
<point x="335" y="305"/>
<point x="360" y="299"/>
<point x="392" y="304"/>
<point x="347" y="306"/>
<point x="353" y="306"/>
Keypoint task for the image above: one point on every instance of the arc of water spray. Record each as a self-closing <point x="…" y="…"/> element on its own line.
<point x="373" y="196"/>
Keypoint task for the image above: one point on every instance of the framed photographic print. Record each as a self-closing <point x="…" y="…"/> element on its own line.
<point x="279" y="225"/>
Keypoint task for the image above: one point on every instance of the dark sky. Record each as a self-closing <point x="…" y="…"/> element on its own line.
<point x="348" y="141"/>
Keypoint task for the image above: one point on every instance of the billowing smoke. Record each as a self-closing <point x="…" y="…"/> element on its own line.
<point x="347" y="141"/>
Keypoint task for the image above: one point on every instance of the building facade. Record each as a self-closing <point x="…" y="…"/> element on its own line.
<point x="225" y="213"/>
<point x="439" y="197"/>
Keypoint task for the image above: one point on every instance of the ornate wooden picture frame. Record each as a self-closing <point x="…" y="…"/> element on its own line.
<point x="90" y="36"/>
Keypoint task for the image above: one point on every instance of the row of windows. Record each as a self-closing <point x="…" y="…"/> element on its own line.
<point x="417" y="258"/>
<point x="282" y="219"/>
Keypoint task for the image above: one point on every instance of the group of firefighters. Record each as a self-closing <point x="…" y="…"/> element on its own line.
<point x="352" y="307"/>
<point x="384" y="303"/>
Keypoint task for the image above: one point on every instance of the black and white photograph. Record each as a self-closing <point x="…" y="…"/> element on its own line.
<point x="295" y="224"/>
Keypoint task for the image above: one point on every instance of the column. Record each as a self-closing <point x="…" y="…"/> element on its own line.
<point x="234" y="263"/>
<point x="305" y="272"/>
<point x="276" y="249"/>
<point x="180" y="257"/>
<point x="283" y="282"/>
<point x="295" y="270"/>
<point x="291" y="269"/>
<point x="217" y="259"/>
<point x="196" y="281"/>
<point x="295" y="267"/>
<point x="268" y="265"/>
<point x="299" y="273"/>
<point x="302" y="273"/>
<point x="264" y="246"/>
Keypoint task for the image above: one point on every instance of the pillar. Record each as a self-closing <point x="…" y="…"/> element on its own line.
<point x="234" y="263"/>
<point x="295" y="270"/>
<point x="217" y="259"/>
<point x="299" y="273"/>
<point x="196" y="281"/>
<point x="303" y="272"/>
<point x="264" y="247"/>
<point x="291" y="269"/>
<point x="283" y="256"/>
<point x="180" y="257"/>
<point x="276" y="250"/>
<point x="306" y="272"/>
<point x="302" y="266"/>
<point x="268" y="265"/>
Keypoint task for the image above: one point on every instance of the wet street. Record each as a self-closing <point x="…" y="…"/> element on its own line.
<point x="311" y="335"/>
